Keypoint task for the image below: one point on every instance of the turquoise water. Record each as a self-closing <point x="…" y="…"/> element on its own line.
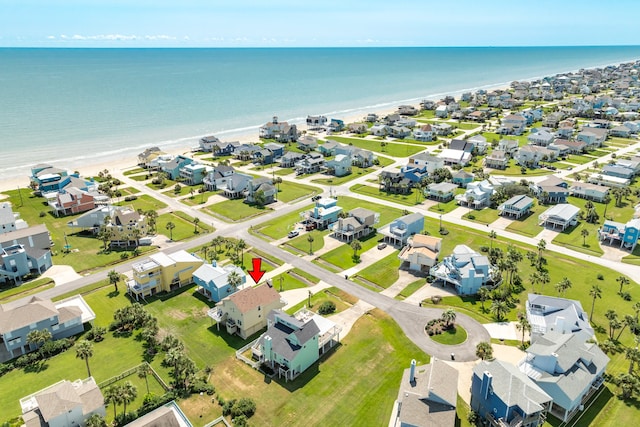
<point x="70" y="106"/>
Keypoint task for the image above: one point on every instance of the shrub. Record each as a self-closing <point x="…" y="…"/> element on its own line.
<point x="201" y="386"/>
<point x="436" y="299"/>
<point x="471" y="216"/>
<point x="226" y="407"/>
<point x="244" y="406"/>
<point x="600" y="276"/>
<point x="130" y="198"/>
<point x="484" y="249"/>
<point x="625" y="296"/>
<point x="42" y="214"/>
<point x="327" y="307"/>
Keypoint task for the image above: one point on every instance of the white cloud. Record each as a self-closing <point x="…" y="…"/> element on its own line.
<point x="51" y="37"/>
<point x="159" y="37"/>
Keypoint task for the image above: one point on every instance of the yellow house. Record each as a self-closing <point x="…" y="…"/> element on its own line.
<point x="246" y="311"/>
<point x="127" y="226"/>
<point x="163" y="272"/>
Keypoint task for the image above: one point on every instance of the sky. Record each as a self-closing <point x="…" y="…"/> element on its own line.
<point x="328" y="23"/>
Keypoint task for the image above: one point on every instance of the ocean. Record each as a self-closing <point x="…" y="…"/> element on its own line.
<point x="71" y="107"/>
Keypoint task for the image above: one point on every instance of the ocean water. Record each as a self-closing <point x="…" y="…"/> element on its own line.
<point x="76" y="106"/>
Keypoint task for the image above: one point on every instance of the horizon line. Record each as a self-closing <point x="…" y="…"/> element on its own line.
<point x="323" y="47"/>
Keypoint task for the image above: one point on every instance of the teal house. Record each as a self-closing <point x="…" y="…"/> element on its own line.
<point x="172" y="168"/>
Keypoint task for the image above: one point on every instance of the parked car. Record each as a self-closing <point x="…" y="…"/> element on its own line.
<point x="382" y="245"/>
<point x="310" y="226"/>
<point x="293" y="234"/>
<point x="314" y="198"/>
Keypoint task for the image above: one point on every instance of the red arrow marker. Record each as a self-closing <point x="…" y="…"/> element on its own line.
<point x="256" y="274"/>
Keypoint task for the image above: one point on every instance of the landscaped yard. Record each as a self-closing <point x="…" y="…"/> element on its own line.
<point x="453" y="336"/>
<point x="236" y="210"/>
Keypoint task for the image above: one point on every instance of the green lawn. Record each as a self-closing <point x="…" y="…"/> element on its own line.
<point x="528" y="225"/>
<point x="410" y="289"/>
<point x="393" y="149"/>
<point x="383" y="273"/>
<point x="446" y="207"/>
<point x="356" y="172"/>
<point x="483" y="216"/>
<point x="579" y="159"/>
<point x="285" y="282"/>
<point x="290" y="191"/>
<point x="198" y="198"/>
<point x="454" y="336"/>
<point x="411" y="199"/>
<point x="10" y="293"/>
<point x="235" y="210"/>
<point x="279" y="227"/>
<point x="140" y="384"/>
<point x="302" y="244"/>
<point x="342" y="255"/>
<point x="144" y="202"/>
<point x="284" y="171"/>
<point x="341" y="299"/>
<point x="572" y="238"/>
<point x="183" y="228"/>
<point x="134" y="171"/>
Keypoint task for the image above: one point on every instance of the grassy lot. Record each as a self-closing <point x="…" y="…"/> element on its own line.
<point x="634" y="257"/>
<point x="342" y="255"/>
<point x="279" y="227"/>
<point x="198" y="198"/>
<point x="356" y="172"/>
<point x="513" y="169"/>
<point x="284" y="171"/>
<point x="393" y="149"/>
<point x="301" y="243"/>
<point x="341" y="299"/>
<point x="528" y="225"/>
<point x="286" y="282"/>
<point x="10" y="293"/>
<point x="293" y="191"/>
<point x="483" y="216"/>
<point x="183" y="228"/>
<point x="579" y="159"/>
<point x="411" y="199"/>
<point x="572" y="238"/>
<point x="446" y="207"/>
<point x="410" y="289"/>
<point x="383" y="273"/>
<point x="453" y="336"/>
<point x="184" y="190"/>
<point x="144" y="202"/>
<point x="134" y="171"/>
<point x="385" y="161"/>
<point x="140" y="178"/>
<point x="342" y="381"/>
<point x="235" y="210"/>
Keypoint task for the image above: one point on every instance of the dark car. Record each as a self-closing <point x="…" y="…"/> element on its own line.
<point x="314" y="198"/>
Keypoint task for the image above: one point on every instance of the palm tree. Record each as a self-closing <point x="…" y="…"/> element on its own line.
<point x="614" y="324"/>
<point x="563" y="285"/>
<point x="542" y="245"/>
<point x="449" y="316"/>
<point x="356" y="246"/>
<point x="484" y="350"/>
<point x="112" y="395"/>
<point x="38" y="337"/>
<point x="114" y="278"/>
<point x="104" y="235"/>
<point x="135" y="233"/>
<point x="606" y="201"/>
<point x="310" y="239"/>
<point x="170" y="226"/>
<point x="196" y="221"/>
<point x="594" y="293"/>
<point x="632" y="354"/>
<point x="629" y="384"/>
<point x="96" y="420"/>
<point x="470" y="201"/>
<point x="129" y="392"/>
<point x="483" y="295"/>
<point x="234" y="280"/>
<point x="241" y="245"/>
<point x="152" y="217"/>
<point x="84" y="350"/>
<point x="523" y="325"/>
<point x="492" y="236"/>
<point x="543" y="279"/>
<point x="584" y="233"/>
<point x="143" y="372"/>
<point x="623" y="280"/>
<point x="499" y="308"/>
<point x="627" y="321"/>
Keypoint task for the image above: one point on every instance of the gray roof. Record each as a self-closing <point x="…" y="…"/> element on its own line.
<point x="280" y="333"/>
<point x="445" y="187"/>
<point x="34" y="310"/>
<point x="411" y="218"/>
<point x="520" y="201"/>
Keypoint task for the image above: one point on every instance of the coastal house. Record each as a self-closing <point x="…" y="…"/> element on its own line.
<point x="237" y="185"/>
<point x="49" y="179"/>
<point x="194" y="173"/>
<point x="509" y="146"/>
<point x="497" y="159"/>
<point x="618" y="170"/>
<point x="148" y="155"/>
<point x="623" y="234"/>
<point x="517" y="206"/>
<point x="358" y="128"/>
<point x="62" y="404"/>
<point x="340" y="165"/>
<point x="325" y="212"/>
<point x="569" y="146"/>
<point x="427" y="396"/>
<point x="585" y="190"/>
<point x="9" y="220"/>
<point x="280" y="131"/>
<point x="290" y="158"/>
<point x="593" y="137"/>
<point x="316" y="122"/>
<point x="380" y="130"/>
<point x="424" y="133"/>
<point x="565" y="316"/>
<point x="261" y="185"/>
<point x="307" y="143"/>
<point x="312" y="162"/>
<point x="503" y="396"/>
<point x="245" y="152"/>
<point x="540" y="137"/>
<point x="568" y="368"/>
<point x="335" y="125"/>
<point x="562" y="215"/>
<point x="461" y="178"/>
<point x="359" y="223"/>
<point x="162" y="272"/>
<point x="216" y="178"/>
<point x="213" y="280"/>
<point x="124" y="225"/>
<point x="407" y="110"/>
<point x="72" y="200"/>
<point x="173" y="167"/>
<point x="479" y="143"/>
<point x="328" y="148"/>
<point x="397" y="233"/>
<point x="24" y="252"/>
<point x="551" y="190"/>
<point x="399" y="132"/>
<point x="394" y="182"/>
<point x="62" y="319"/>
<point x="442" y="192"/>
<point x="442" y="112"/>
<point x="442" y="129"/>
<point x="362" y="158"/>
<point x="512" y="124"/>
<point x="292" y="344"/>
<point x="208" y="143"/>
<point x="531" y="155"/>
<point x="608" y="180"/>
<point x="465" y="269"/>
<point x="421" y="164"/>
<point x="168" y="414"/>
<point x="263" y="157"/>
<point x="452" y="156"/>
<point x="421" y="252"/>
<point x="620" y="131"/>
<point x="477" y="195"/>
<point x="244" y="313"/>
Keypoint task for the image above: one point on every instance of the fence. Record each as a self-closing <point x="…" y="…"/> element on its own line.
<point x="131" y="371"/>
<point x="246" y="360"/>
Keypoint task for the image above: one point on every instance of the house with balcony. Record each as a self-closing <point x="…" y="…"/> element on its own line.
<point x="173" y="167"/>
<point x="624" y="235"/>
<point x="421" y="165"/>
<point x="62" y="319"/>
<point x="237" y="185"/>
<point x="148" y="155"/>
<point x="292" y="344"/>
<point x="455" y="157"/>
<point x="427" y="396"/>
<point x="290" y="158"/>
<point x="421" y="252"/>
<point x="328" y="148"/>
<point x="608" y="180"/>
<point x="424" y="133"/>
<point x="194" y="173"/>
<point x="312" y="162"/>
<point x="208" y="143"/>
<point x="462" y="178"/>
<point x="588" y="191"/>
<point x="244" y="313"/>
<point x="593" y="137"/>
<point x="509" y="146"/>
<point x="568" y="368"/>
<point x="505" y="397"/>
<point x="479" y="143"/>
<point x="394" y="182"/>
<point x="465" y="269"/>
<point x="358" y="128"/>
<point x="280" y="131"/>
<point x="213" y="280"/>
<point x="166" y="415"/>
<point x="569" y="146"/>
<point x="562" y="215"/>
<point x="245" y="152"/>
<point x="162" y="272"/>
<point x="72" y="200"/>
<point x="264" y="185"/>
<point x="362" y="158"/>
<point x="442" y="192"/>
<point x="63" y="404"/>
<point x="9" y="220"/>
<point x="359" y="223"/>
<point x="216" y="178"/>
<point x="540" y="137"/>
<point x="531" y="155"/>
<point x="325" y="212"/>
<point x="565" y="316"/>
<point x="125" y="225"/>
<point x="398" y="232"/>
<point x="335" y="125"/>
<point x="516" y="207"/>
<point x="316" y="122"/>
<point x="340" y="165"/>
<point x="307" y="143"/>
<point x="23" y="252"/>
<point x="497" y="159"/>
<point x="477" y="195"/>
<point x="551" y="190"/>
<point x="618" y="170"/>
<point x="49" y="179"/>
<point x="512" y="124"/>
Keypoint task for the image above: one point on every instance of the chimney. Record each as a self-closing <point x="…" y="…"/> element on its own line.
<point x="487" y="379"/>
<point x="412" y="372"/>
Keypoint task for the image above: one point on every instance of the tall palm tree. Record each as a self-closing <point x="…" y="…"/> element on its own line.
<point x="492" y="236"/>
<point x="584" y="233"/>
<point x="356" y="246"/>
<point x="623" y="280"/>
<point x="595" y="292"/>
<point x="234" y="280"/>
<point x="170" y="226"/>
<point x="114" y="278"/>
<point x="484" y="350"/>
<point x="241" y="245"/>
<point x="612" y="317"/>
<point x="144" y="371"/>
<point x="449" y="316"/>
<point x="543" y="279"/>
<point x="152" y="217"/>
<point x="310" y="239"/>
<point x="112" y="395"/>
<point x="606" y="201"/>
<point x="563" y="286"/>
<point x="483" y="295"/>
<point x="38" y="337"/>
<point x="84" y="350"/>
<point x="129" y="392"/>
<point x="499" y="308"/>
<point x="96" y="420"/>
<point x="523" y="325"/>
<point x="196" y="221"/>
<point x="629" y="321"/>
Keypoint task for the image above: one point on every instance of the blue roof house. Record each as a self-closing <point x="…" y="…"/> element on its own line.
<point x="398" y="231"/>
<point x="627" y="234"/>
<point x="504" y="396"/>
<point x="214" y="280"/>
<point x="325" y="212"/>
